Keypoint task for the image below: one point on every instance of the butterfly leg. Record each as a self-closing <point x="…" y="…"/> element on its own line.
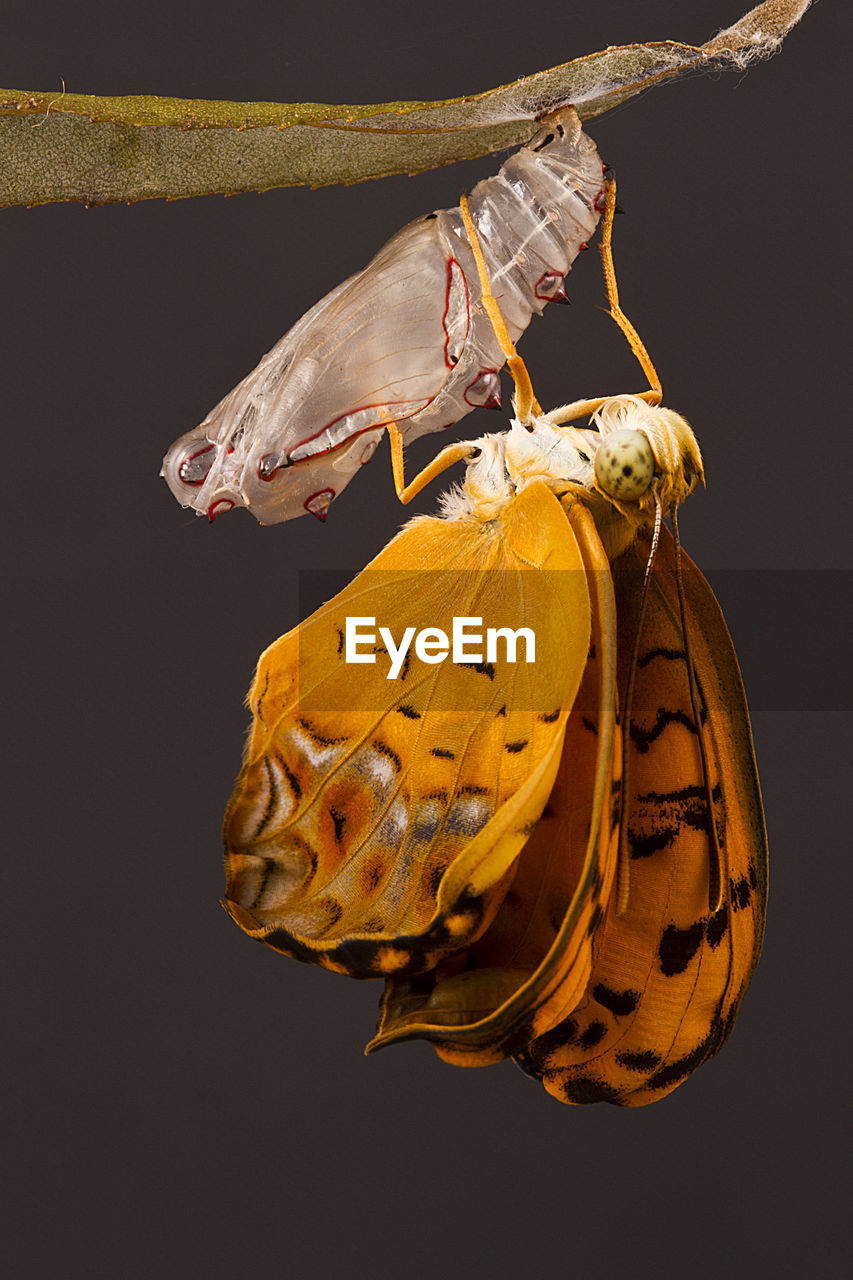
<point x="527" y="406"/>
<point x="448" y="456"/>
<point x="655" y="395"/>
<point x="582" y="408"/>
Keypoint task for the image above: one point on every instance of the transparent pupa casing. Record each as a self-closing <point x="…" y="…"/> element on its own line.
<point x="404" y="340"/>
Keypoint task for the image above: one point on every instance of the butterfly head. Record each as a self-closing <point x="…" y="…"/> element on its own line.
<point x="644" y="454"/>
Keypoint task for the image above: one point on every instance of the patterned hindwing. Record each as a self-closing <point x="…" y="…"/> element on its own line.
<point x="534" y="960"/>
<point x="376" y="822"/>
<point x="670" y="972"/>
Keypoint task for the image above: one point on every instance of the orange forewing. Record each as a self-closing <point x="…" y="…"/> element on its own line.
<point x="375" y="825"/>
<point x="533" y="962"/>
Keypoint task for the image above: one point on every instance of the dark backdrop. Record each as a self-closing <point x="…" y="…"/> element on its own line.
<point x="181" y="1099"/>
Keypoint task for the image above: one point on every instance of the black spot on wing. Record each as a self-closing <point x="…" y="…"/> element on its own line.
<point x="678" y="1070"/>
<point x="331" y="912"/>
<point x="638" y="1059"/>
<point x="384" y="750"/>
<point x="620" y="1003"/>
<point x="593" y="1035"/>
<point x="270" y="868"/>
<point x="408" y="712"/>
<point x="644" y="738"/>
<point x="588" y="1089"/>
<point x="686" y="807"/>
<point x="340" y="641"/>
<point x="261" y="696"/>
<point x="501" y="711"/>
<point x="670" y="655"/>
<point x="740" y="893"/>
<point x="678" y="947"/>
<point x="534" y="1060"/>
<point x="682" y="796"/>
<point x="442" y="753"/>
<point x="339" y="822"/>
<point x="589" y="725"/>
<point x="482" y="668"/>
<point x="548" y="717"/>
<point x="373" y="877"/>
<point x="359" y="956"/>
<point x="716" y="928"/>
<point x="316" y="736"/>
<point x="435" y="878"/>
<point x="645" y="845"/>
<point x="272" y="799"/>
<point x="514" y="747"/>
<point x="292" y="780"/>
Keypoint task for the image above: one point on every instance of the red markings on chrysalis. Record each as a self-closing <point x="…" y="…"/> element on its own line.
<point x="456" y="298"/>
<point x="549" y="287"/>
<point x="485" y="391"/>
<point x="318" y="504"/>
<point x="368" y="452"/>
<point x="194" y="468"/>
<point x="268" y="466"/>
<point x="219" y="508"/>
<point x="600" y="201"/>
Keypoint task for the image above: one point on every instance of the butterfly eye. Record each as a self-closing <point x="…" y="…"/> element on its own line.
<point x="624" y="465"/>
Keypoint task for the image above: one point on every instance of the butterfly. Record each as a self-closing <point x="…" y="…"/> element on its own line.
<point x="403" y="344"/>
<point x="561" y="861"/>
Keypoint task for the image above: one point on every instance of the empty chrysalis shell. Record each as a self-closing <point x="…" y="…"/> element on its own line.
<point x="405" y="340"/>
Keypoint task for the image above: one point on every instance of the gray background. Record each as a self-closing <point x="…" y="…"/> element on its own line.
<point x="179" y="1099"/>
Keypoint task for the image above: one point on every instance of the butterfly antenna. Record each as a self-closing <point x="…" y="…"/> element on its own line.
<point x="623" y="871"/>
<point x="526" y="404"/>
<point x="715" y="870"/>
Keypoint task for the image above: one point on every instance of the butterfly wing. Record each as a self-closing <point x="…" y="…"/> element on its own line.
<point x="669" y="974"/>
<point x="375" y="825"/>
<point x="533" y="962"/>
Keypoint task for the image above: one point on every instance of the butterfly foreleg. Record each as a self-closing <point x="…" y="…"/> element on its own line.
<point x="451" y="454"/>
<point x="582" y="408"/>
<point x="655" y="394"/>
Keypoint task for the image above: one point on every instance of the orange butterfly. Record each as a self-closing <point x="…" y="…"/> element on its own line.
<point x="530" y="877"/>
